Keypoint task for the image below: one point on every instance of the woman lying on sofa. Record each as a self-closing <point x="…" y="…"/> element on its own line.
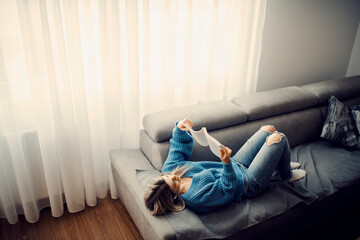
<point x="204" y="186"/>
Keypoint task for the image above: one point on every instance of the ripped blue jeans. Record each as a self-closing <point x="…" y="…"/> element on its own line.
<point x="258" y="160"/>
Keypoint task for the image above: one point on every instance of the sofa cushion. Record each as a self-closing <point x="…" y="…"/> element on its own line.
<point x="308" y="124"/>
<point x="276" y="199"/>
<point x="275" y="102"/>
<point x="212" y="115"/>
<point x="339" y="125"/>
<point x="344" y="88"/>
<point x="321" y="161"/>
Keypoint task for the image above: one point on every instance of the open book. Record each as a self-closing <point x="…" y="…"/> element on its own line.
<point x="204" y="139"/>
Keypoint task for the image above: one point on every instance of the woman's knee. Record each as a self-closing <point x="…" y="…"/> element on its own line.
<point x="273" y="138"/>
<point x="268" y="128"/>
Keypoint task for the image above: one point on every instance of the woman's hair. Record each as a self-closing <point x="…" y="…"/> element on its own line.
<point x="158" y="196"/>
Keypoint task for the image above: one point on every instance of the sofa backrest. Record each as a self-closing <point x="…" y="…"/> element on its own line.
<point x="299" y="112"/>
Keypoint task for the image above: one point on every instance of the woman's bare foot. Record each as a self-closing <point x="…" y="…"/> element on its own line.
<point x="297" y="174"/>
<point x="294" y="165"/>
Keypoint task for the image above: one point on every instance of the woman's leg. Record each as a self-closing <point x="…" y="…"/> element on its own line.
<point x="274" y="153"/>
<point x="284" y="164"/>
<point x="250" y="149"/>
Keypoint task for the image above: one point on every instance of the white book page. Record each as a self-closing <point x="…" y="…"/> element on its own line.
<point x="204" y="139"/>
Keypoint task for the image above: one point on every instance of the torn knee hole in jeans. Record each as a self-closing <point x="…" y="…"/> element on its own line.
<point x="274" y="138"/>
<point x="268" y="128"/>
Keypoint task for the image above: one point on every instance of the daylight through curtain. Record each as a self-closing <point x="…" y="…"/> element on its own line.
<point x="77" y="76"/>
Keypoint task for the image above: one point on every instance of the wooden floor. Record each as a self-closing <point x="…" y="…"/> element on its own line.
<point x="108" y="220"/>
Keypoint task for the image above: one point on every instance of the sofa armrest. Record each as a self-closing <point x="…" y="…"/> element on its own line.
<point x="124" y="164"/>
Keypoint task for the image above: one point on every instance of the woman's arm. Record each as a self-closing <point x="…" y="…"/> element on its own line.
<point x="212" y="193"/>
<point x="225" y="154"/>
<point x="215" y="192"/>
<point x="181" y="145"/>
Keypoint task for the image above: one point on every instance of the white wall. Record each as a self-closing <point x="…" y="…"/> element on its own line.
<point x="354" y="63"/>
<point x="306" y="41"/>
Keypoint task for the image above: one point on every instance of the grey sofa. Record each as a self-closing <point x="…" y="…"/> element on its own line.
<point x="333" y="172"/>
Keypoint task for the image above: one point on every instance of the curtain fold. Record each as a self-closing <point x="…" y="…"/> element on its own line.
<point x="77" y="77"/>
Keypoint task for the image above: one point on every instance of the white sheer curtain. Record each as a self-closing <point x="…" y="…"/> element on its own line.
<point x="77" y="76"/>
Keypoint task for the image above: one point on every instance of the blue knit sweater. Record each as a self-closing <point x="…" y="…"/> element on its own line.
<point x="213" y="183"/>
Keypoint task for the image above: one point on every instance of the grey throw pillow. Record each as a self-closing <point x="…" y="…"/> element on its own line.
<point x="356" y="115"/>
<point x="339" y="126"/>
